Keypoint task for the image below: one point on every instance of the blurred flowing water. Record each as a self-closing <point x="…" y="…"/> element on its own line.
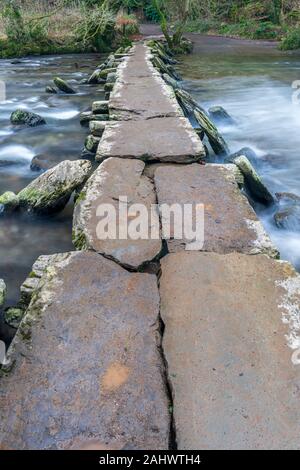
<point x="253" y="82"/>
<point x="24" y="238"/>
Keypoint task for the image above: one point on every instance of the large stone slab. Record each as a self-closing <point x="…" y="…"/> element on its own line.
<point x="140" y="92"/>
<point x="88" y="371"/>
<point x="120" y="184"/>
<point x="164" y="140"/>
<point x="230" y="224"/>
<point x="232" y="329"/>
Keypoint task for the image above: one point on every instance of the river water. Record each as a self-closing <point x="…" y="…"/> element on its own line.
<point x="253" y="82"/>
<point x="24" y="238"/>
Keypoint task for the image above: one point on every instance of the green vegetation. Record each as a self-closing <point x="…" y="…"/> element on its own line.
<point x="65" y="26"/>
<point x="263" y="19"/>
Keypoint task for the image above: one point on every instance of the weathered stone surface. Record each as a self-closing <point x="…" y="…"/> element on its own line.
<point x="91" y="143"/>
<point x="88" y="369"/>
<point x="13" y="316"/>
<point x="63" y="86"/>
<point x="110" y="183"/>
<point x="31" y="284"/>
<point x="165" y="140"/>
<point x="97" y="128"/>
<point x="2" y="292"/>
<point x="229" y="322"/>
<point x="26" y="118"/>
<point x="230" y="224"/>
<point x="51" y="191"/>
<point x="100" y="107"/>
<point x="140" y="92"/>
<point x="255" y="184"/>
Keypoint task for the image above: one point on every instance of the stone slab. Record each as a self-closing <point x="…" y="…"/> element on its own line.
<point x="232" y="325"/>
<point x="230" y="223"/>
<point x="140" y="92"/>
<point x="164" y="140"/>
<point x="88" y="371"/>
<point x="113" y="181"/>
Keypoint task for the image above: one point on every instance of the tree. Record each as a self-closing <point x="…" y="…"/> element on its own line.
<point x="175" y="13"/>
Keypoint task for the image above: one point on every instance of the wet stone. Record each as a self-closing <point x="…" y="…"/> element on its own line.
<point x="87" y="365"/>
<point x="231" y="342"/>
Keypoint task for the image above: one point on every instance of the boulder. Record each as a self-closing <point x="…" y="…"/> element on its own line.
<point x="8" y="201"/>
<point x="91" y="143"/>
<point x="220" y="115"/>
<point x="97" y="128"/>
<point x="100" y="107"/>
<point x="26" y="118"/>
<point x="111" y="77"/>
<point x="253" y="181"/>
<point x="51" y="191"/>
<point x="2" y="292"/>
<point x="63" y="86"/>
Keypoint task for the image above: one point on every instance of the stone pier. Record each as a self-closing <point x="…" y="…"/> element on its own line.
<point x="125" y="339"/>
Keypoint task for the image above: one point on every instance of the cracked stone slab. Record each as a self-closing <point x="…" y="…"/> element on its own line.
<point x="230" y="223"/>
<point x="232" y="329"/>
<point x="88" y="371"/>
<point x="164" y="140"/>
<point x="113" y="181"/>
<point x="140" y="92"/>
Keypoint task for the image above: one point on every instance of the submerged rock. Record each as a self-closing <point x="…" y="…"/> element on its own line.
<point x="8" y="201"/>
<point x="21" y="117"/>
<point x="43" y="162"/>
<point x="288" y="218"/>
<point x="51" y="89"/>
<point x="2" y="292"/>
<point x="219" y="115"/>
<point x="63" y="86"/>
<point x="288" y="197"/>
<point x="51" y="191"/>
<point x="253" y="181"/>
<point x="13" y="316"/>
<point x="246" y="152"/>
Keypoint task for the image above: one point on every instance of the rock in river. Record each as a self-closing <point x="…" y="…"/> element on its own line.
<point x="255" y="185"/>
<point x="63" y="86"/>
<point x="21" y="117"/>
<point x="51" y="191"/>
<point x="220" y="115"/>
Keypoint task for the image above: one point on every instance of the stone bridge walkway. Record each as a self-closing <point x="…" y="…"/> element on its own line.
<point x="125" y="340"/>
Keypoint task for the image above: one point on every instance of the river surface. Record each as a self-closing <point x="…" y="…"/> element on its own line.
<point x="253" y="82"/>
<point x="24" y="238"/>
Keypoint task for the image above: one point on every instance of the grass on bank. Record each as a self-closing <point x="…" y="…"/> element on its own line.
<point x="37" y="28"/>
